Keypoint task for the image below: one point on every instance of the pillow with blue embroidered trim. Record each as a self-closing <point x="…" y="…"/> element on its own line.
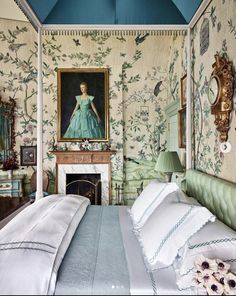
<point x="214" y="241"/>
<point x="152" y="195"/>
<point x="168" y="229"/>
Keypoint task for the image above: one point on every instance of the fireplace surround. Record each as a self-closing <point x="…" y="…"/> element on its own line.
<point x="85" y="162"/>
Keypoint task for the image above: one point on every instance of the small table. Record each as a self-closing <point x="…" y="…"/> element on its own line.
<point x="12" y="187"/>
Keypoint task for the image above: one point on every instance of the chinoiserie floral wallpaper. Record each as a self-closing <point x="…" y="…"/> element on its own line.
<point x="222" y="39"/>
<point x="145" y="70"/>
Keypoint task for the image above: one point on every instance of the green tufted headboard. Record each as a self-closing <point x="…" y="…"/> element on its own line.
<point x="218" y="195"/>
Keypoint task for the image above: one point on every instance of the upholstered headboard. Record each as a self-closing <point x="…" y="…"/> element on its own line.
<point x="218" y="195"/>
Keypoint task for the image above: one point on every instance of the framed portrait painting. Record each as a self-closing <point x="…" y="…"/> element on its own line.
<point x="183" y="86"/>
<point x="182" y="127"/>
<point x="28" y="155"/>
<point x="83" y="96"/>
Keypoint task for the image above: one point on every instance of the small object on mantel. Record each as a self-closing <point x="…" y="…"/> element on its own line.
<point x="84" y="145"/>
<point x="106" y="146"/>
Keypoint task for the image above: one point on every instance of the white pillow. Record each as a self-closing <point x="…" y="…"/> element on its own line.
<point x="148" y="200"/>
<point x="214" y="241"/>
<point x="168" y="229"/>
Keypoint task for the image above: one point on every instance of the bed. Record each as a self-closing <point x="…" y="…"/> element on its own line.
<point x="62" y="245"/>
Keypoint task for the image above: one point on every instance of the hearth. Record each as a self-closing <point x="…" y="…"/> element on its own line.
<point x="88" y="185"/>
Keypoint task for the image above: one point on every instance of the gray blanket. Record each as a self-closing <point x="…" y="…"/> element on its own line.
<point x="95" y="263"/>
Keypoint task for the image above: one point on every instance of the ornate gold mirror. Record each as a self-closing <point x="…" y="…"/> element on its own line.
<point x="7" y="128"/>
<point x="220" y="94"/>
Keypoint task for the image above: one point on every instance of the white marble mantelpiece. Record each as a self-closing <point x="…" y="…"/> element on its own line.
<point x="102" y="169"/>
<point x="77" y="161"/>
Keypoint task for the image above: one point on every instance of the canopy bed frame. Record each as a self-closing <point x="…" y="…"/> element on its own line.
<point x="43" y="29"/>
<point x="111" y="248"/>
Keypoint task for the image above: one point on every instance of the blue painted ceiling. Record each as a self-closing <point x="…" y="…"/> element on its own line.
<point x="124" y="12"/>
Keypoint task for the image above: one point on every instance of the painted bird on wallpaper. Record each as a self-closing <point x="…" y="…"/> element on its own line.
<point x="76" y="41"/>
<point x="140" y="39"/>
<point x="15" y="47"/>
<point x="157" y="88"/>
<point x="122" y="39"/>
<point x="130" y="159"/>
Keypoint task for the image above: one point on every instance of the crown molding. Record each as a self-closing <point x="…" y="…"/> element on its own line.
<point x="115" y="27"/>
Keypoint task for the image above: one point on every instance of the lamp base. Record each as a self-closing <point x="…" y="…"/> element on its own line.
<point x="168" y="177"/>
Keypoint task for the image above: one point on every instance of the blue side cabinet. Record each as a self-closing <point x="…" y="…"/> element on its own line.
<point x="12" y="187"/>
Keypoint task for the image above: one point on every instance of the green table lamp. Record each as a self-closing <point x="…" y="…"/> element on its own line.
<point x="168" y="162"/>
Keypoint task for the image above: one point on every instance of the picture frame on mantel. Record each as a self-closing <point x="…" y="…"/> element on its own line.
<point x="83" y="109"/>
<point x="182" y="127"/>
<point x="183" y="89"/>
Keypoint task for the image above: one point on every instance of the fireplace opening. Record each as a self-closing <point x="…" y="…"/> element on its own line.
<point x="88" y="185"/>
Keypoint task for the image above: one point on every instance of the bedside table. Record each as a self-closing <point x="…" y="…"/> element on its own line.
<point x="11" y="187"/>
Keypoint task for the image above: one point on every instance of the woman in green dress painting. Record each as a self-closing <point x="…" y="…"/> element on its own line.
<point x="85" y="121"/>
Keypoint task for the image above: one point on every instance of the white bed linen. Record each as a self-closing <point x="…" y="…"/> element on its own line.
<point x="142" y="282"/>
<point x="55" y="218"/>
<point x="152" y="195"/>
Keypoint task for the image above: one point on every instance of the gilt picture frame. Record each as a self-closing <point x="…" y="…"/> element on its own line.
<point x="28" y="155"/>
<point x="183" y="89"/>
<point x="182" y="128"/>
<point x="83" y="104"/>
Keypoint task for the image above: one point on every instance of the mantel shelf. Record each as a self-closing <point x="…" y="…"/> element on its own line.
<point x="83" y="156"/>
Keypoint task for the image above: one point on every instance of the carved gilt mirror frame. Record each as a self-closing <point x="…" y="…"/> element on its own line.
<point x="220" y="94"/>
<point x="7" y="128"/>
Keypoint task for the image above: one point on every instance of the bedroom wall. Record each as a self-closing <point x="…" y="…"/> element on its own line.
<point x="207" y="155"/>
<point x="137" y="119"/>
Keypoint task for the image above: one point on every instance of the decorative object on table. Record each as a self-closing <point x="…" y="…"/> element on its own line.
<point x="28" y="155"/>
<point x="9" y="164"/>
<point x="84" y="145"/>
<point x="83" y="104"/>
<point x="220" y="94"/>
<point x="214" y="275"/>
<point x="168" y="162"/>
<point x="183" y="86"/>
<point x="182" y="128"/>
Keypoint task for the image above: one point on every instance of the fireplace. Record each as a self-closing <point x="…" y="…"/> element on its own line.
<point x="85" y="163"/>
<point x="88" y="185"/>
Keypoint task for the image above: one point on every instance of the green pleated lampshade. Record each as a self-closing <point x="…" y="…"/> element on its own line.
<point x="168" y="162"/>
